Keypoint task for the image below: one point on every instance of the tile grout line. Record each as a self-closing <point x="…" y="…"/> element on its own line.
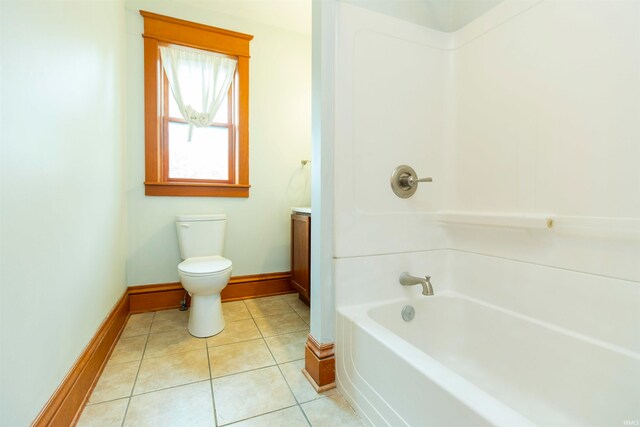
<point x="287" y="382"/>
<point x="171" y="319"/>
<point x="224" y="376"/>
<point x="149" y="334"/>
<point x="275" y="363"/>
<point x="220" y="345"/>
<point x="256" y="416"/>
<point x="292" y="393"/>
<point x="277" y="314"/>
<point x="174" y="353"/>
<point x="124" y="416"/>
<point x="259" y="331"/>
<point x="197" y="381"/>
<point x="170" y="387"/>
<point x="295" y="399"/>
<point x="294" y="309"/>
<point x="283" y="333"/>
<point x="299" y="405"/>
<point x="213" y="398"/>
<point x="304" y="414"/>
<point x="250" y="370"/>
<point x="290" y="332"/>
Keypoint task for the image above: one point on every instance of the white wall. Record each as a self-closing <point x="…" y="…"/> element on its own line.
<point x="547" y="121"/>
<point x="258" y="228"/>
<point x="391" y="108"/>
<point x="546" y="118"/>
<point x="63" y="216"/>
<point x="534" y="108"/>
<point x="322" y="298"/>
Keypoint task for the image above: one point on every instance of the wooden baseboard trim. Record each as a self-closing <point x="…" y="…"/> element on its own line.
<point x="168" y="295"/>
<point x="161" y="296"/>
<point x="320" y="364"/>
<point x="258" y="285"/>
<point x="68" y="400"/>
<point x="315" y="386"/>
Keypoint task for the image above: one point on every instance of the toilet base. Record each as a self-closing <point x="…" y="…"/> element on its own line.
<point x="205" y="315"/>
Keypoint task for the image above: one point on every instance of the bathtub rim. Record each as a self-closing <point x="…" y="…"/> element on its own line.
<point x="499" y="413"/>
<point x="487" y="407"/>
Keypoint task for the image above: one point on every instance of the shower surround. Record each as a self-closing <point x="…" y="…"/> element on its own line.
<point x="527" y="120"/>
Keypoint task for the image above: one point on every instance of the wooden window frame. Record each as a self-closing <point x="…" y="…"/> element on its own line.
<point x="230" y="125"/>
<point x="161" y="30"/>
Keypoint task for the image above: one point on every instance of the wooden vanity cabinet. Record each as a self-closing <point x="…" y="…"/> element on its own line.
<point x="301" y="255"/>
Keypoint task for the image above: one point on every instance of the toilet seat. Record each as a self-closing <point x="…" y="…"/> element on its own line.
<point x="205" y="266"/>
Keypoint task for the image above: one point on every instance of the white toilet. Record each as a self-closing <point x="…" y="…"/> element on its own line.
<point x="204" y="272"/>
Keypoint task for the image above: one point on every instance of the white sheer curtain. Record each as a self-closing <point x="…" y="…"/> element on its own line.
<point x="199" y="81"/>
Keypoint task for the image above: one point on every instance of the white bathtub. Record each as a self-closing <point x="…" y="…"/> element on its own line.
<point x="463" y="362"/>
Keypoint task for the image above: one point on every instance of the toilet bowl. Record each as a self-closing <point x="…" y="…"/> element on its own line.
<point x="204" y="278"/>
<point x="204" y="272"/>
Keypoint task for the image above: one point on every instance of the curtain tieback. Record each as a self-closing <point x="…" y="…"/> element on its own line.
<point x="195" y="118"/>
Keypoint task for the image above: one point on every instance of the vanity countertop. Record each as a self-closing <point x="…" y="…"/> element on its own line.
<point x="302" y="210"/>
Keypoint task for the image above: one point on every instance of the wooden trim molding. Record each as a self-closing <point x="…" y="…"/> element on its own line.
<point x="320" y="364"/>
<point x="165" y="30"/>
<point x="168" y="295"/>
<point x="67" y="401"/>
<point x="195" y="189"/>
<point x="155" y="297"/>
<point x="258" y="285"/>
<point x="193" y="34"/>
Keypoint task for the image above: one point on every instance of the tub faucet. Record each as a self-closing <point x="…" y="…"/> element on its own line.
<point x="408" y="280"/>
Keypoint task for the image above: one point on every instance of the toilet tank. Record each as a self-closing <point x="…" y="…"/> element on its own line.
<point x="201" y="235"/>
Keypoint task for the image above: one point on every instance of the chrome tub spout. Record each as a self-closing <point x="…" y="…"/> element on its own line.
<point x="408" y="280"/>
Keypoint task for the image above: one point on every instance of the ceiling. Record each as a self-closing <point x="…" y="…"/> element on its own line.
<point x="441" y="15"/>
<point x="295" y="15"/>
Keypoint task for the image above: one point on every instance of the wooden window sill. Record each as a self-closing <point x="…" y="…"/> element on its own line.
<point x="195" y="189"/>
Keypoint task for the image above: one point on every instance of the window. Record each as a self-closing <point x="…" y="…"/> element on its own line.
<point x="211" y="159"/>
<point x="208" y="153"/>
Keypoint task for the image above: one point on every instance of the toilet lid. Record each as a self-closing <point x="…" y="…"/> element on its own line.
<point x="204" y="265"/>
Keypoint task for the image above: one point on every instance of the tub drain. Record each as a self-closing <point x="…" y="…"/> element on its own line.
<point x="408" y="313"/>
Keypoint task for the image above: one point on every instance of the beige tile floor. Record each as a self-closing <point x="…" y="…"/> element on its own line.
<point x="248" y="375"/>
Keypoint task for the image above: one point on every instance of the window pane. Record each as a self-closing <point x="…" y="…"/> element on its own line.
<point x="221" y="115"/>
<point x="206" y="156"/>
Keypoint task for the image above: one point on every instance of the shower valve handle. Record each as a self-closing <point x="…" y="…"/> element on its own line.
<point x="410" y="181"/>
<point x="404" y="181"/>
